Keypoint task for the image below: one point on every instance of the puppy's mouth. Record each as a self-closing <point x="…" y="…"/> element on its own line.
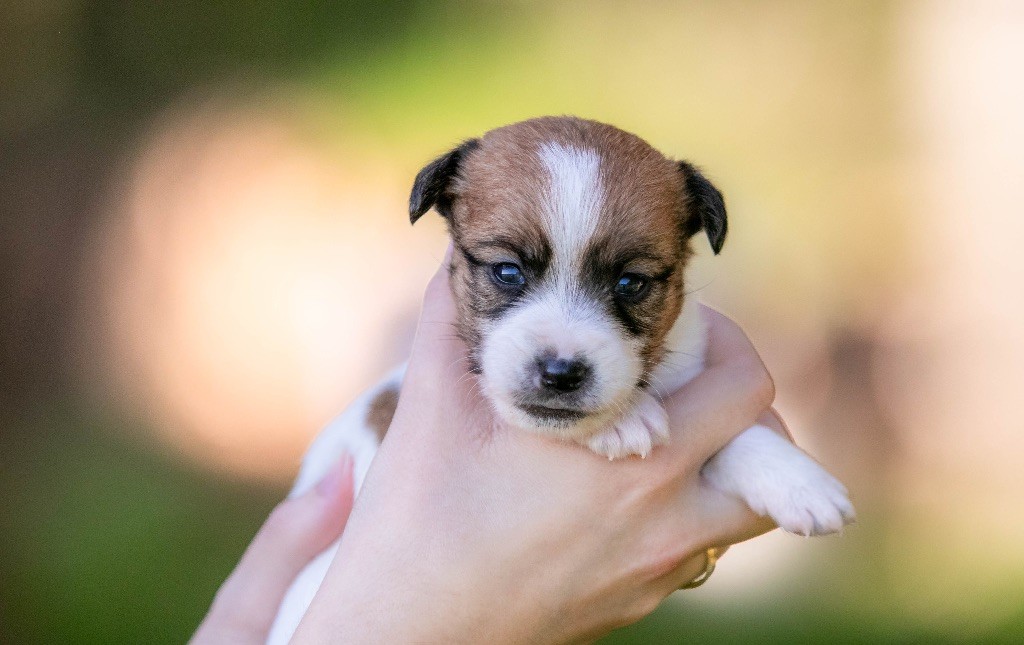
<point x="544" y="413"/>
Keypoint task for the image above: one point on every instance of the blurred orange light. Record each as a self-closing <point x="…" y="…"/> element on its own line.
<point x="257" y="285"/>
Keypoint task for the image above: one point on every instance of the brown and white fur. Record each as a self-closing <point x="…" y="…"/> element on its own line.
<point x="570" y="243"/>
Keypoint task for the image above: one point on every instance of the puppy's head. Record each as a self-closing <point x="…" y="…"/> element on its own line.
<point x="570" y="238"/>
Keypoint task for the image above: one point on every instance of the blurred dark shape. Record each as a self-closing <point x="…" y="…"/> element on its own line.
<point x="856" y="433"/>
<point x="51" y="181"/>
<point x="80" y="81"/>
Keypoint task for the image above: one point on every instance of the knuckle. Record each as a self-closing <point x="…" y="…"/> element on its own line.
<point x="286" y="524"/>
<point x="643" y="607"/>
<point x="649" y="604"/>
<point x="648" y="487"/>
<point x="641" y="487"/>
<point x="761" y="387"/>
<point x="767" y="389"/>
<point x="665" y="560"/>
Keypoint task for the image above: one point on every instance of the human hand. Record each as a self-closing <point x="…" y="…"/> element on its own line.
<point x="467" y="531"/>
<point x="297" y="530"/>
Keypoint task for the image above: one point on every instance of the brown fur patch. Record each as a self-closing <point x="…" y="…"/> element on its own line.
<point x="382" y="411"/>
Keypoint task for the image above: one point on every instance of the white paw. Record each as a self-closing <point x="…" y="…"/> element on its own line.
<point x="777" y="479"/>
<point x="806" y="502"/>
<point x="635" y="433"/>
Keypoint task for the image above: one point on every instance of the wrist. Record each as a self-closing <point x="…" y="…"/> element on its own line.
<point x="386" y="593"/>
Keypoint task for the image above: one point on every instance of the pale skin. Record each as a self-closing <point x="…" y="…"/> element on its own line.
<point x="466" y="531"/>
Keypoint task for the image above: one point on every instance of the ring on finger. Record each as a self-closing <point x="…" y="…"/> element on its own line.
<point x="711" y="558"/>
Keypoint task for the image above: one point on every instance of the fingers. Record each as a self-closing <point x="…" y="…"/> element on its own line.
<point x="725" y="519"/>
<point x="687" y="572"/>
<point x="726" y="398"/>
<point x="297" y="530"/>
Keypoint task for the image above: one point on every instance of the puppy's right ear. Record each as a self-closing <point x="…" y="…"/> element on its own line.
<point x="707" y="207"/>
<point x="433" y="184"/>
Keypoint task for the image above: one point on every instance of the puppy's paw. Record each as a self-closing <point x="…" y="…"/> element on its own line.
<point x="644" y="426"/>
<point x="806" y="501"/>
<point x="777" y="479"/>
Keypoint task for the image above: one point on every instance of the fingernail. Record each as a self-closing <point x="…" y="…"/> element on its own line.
<point x="337" y="477"/>
<point x="448" y="253"/>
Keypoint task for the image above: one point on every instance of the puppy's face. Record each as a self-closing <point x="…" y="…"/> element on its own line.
<point x="571" y="238"/>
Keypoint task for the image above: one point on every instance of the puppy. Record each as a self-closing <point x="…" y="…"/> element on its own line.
<point x="571" y="239"/>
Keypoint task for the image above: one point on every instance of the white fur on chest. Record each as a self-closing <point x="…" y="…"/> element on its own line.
<point x="685" y="349"/>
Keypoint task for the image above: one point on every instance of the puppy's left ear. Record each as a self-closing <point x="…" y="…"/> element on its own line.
<point x="706" y="207"/>
<point x="433" y="184"/>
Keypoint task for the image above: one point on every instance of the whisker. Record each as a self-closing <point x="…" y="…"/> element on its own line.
<point x="437" y="322"/>
<point x="652" y="392"/>
<point x="706" y="285"/>
<point x="467" y="375"/>
<point x="670" y="352"/>
<point x="660" y="383"/>
<point x="620" y="409"/>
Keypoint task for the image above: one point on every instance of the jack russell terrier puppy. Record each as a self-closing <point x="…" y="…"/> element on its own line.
<point x="571" y="239"/>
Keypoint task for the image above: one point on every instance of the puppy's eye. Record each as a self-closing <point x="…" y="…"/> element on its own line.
<point x="508" y="273"/>
<point x="631" y="286"/>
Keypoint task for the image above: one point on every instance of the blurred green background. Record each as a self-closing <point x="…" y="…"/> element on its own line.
<point x="192" y="195"/>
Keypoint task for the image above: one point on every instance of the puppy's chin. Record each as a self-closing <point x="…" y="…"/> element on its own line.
<point x="561" y="423"/>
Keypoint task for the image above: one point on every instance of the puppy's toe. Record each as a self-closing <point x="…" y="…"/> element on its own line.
<point x="816" y="506"/>
<point x="607" y="442"/>
<point x="655" y="419"/>
<point x="636" y="433"/>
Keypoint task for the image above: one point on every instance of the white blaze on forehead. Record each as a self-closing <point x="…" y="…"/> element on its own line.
<point x="573" y="200"/>
<point x="572" y="205"/>
<point x="556" y="315"/>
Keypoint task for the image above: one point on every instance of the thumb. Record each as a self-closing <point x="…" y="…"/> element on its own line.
<point x="438" y="354"/>
<point x="440" y="395"/>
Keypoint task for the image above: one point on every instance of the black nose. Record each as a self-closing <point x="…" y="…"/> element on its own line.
<point x="562" y="375"/>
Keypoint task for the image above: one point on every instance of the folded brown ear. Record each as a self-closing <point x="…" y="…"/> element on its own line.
<point x="706" y="207"/>
<point x="432" y="187"/>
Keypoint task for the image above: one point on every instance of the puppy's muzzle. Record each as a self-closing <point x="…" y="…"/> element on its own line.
<point x="557" y="389"/>
<point x="561" y="375"/>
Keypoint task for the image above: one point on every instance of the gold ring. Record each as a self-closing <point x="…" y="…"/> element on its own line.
<point x="711" y="556"/>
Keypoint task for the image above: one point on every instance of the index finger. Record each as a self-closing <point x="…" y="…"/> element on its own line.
<point x="297" y="530"/>
<point x="722" y="401"/>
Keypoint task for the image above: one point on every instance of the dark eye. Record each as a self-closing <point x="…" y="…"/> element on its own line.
<point x="631" y="285"/>
<point x="508" y="273"/>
